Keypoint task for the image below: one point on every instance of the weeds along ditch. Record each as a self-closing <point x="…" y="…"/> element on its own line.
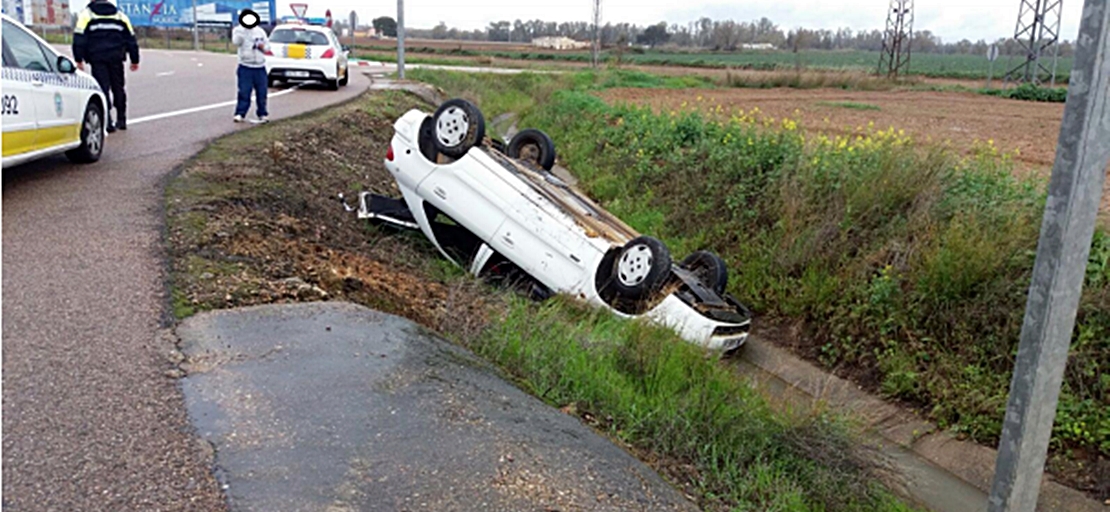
<point x="253" y="220"/>
<point x="905" y="266"/>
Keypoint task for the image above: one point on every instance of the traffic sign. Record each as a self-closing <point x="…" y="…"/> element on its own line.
<point x="299" y="9"/>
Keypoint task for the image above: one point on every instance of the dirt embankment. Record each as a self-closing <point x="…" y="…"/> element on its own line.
<point x="249" y="229"/>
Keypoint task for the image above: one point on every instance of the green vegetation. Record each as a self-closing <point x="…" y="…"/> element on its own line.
<point x="851" y="105"/>
<point x="1030" y="92"/>
<point x="907" y="265"/>
<point x="925" y="64"/>
<point x="655" y="392"/>
<point x="238" y="226"/>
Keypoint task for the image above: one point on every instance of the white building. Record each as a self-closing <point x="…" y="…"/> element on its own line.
<point x="559" y="43"/>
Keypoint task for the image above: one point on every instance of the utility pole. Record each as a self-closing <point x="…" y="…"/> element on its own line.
<point x="1074" y="193"/>
<point x="1038" y="28"/>
<point x="897" y="39"/>
<point x="596" y="46"/>
<point x="401" y="39"/>
<point x="196" y="35"/>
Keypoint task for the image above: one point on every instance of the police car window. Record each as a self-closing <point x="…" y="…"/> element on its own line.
<point x="289" y="36"/>
<point x="24" y="50"/>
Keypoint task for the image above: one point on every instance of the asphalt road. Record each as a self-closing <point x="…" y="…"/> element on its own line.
<point x="330" y="406"/>
<point x="90" y="421"/>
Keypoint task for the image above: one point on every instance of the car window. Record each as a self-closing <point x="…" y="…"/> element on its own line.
<point x="24" y="50"/>
<point x="294" y="36"/>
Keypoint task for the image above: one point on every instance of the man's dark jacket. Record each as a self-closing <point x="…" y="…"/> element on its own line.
<point x="104" y="34"/>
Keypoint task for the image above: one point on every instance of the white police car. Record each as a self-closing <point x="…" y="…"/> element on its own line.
<point x="497" y="210"/>
<point x="306" y="53"/>
<point x="49" y="106"/>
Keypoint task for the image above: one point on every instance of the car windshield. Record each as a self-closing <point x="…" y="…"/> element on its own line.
<point x="298" y="36"/>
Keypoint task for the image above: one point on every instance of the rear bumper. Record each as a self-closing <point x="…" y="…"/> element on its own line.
<point x="286" y="69"/>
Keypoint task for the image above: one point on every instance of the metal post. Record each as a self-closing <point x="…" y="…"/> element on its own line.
<point x="1069" y="222"/>
<point x="401" y="39"/>
<point x="196" y="37"/>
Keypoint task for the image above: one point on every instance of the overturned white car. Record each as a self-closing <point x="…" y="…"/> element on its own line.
<point x="497" y="210"/>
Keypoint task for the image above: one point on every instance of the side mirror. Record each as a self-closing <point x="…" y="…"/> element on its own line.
<point x="65" y="65"/>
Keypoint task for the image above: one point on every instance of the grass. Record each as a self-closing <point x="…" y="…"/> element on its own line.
<point x="907" y="265"/>
<point x="922" y="64"/>
<point x="851" y="105"/>
<point x="661" y="395"/>
<point x="1030" y="92"/>
<point x="668" y="400"/>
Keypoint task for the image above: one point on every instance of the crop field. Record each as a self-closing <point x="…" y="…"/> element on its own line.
<point x="923" y="64"/>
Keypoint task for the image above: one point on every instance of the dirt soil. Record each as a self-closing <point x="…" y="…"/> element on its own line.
<point x="960" y="120"/>
<point x="249" y="229"/>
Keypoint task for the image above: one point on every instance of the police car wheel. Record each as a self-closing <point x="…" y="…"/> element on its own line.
<point x="346" y="75"/>
<point x="92" y="136"/>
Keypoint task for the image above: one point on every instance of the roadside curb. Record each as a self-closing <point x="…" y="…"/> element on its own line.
<point x="802" y="383"/>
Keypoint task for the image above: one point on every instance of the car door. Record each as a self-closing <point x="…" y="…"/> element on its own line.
<point x="19" y="94"/>
<point x="55" y="124"/>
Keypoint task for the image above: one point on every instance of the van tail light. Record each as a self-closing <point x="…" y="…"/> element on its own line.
<point x="328" y="54"/>
<point x="389" y="154"/>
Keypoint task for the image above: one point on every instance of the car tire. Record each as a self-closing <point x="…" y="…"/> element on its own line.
<point x="92" y="136"/>
<point x="346" y="77"/>
<point x="333" y="85"/>
<point x="642" y="268"/>
<point x="533" y="146"/>
<point x="271" y="82"/>
<point x="709" y="268"/>
<point x="458" y="126"/>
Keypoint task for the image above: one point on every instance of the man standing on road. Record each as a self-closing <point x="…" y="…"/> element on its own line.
<point x="252" y="45"/>
<point x="103" y="37"/>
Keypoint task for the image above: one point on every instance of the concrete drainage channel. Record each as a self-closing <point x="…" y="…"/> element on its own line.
<point x="933" y="468"/>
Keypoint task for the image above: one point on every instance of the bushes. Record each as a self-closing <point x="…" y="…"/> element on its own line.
<point x="1031" y="92"/>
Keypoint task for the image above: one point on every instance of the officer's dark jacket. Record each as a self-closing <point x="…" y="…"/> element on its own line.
<point x="103" y="33"/>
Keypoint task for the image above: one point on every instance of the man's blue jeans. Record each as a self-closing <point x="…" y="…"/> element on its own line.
<point x="251" y="79"/>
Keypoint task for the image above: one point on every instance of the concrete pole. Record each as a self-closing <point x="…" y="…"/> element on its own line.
<point x="1074" y="193"/>
<point x="401" y="39"/>
<point x="196" y="35"/>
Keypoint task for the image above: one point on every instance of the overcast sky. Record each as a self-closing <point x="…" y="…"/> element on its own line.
<point x="950" y="19"/>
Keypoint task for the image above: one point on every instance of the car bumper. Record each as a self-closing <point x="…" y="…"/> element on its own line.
<point x="294" y="70"/>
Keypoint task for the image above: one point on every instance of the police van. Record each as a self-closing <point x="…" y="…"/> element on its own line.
<point x="49" y="106"/>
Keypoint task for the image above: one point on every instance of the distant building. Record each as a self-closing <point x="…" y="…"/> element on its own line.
<point x="559" y="43"/>
<point x="758" y="46"/>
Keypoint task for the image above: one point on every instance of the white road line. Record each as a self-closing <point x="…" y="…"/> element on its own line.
<point x="194" y="110"/>
<point x="165" y="73"/>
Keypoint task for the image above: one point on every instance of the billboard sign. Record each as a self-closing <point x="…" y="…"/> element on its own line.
<point x="179" y="13"/>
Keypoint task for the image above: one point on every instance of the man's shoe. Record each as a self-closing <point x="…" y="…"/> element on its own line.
<point x="238" y="118"/>
<point x="121" y="124"/>
<point x="111" y="128"/>
<point x="263" y="119"/>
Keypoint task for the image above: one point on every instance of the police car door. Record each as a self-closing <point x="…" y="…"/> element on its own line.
<point x="19" y="93"/>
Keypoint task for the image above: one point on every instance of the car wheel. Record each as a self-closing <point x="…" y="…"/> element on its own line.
<point x="459" y="126"/>
<point x="346" y="76"/>
<point x="92" y="136"/>
<point x="333" y="85"/>
<point x="271" y="83"/>
<point x="710" y="270"/>
<point x="642" y="268"/>
<point x="533" y="146"/>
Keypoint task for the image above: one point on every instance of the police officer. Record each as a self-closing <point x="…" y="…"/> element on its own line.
<point x="103" y="37"/>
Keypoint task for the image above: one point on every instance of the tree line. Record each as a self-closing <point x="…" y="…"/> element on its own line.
<point x="707" y="34"/>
